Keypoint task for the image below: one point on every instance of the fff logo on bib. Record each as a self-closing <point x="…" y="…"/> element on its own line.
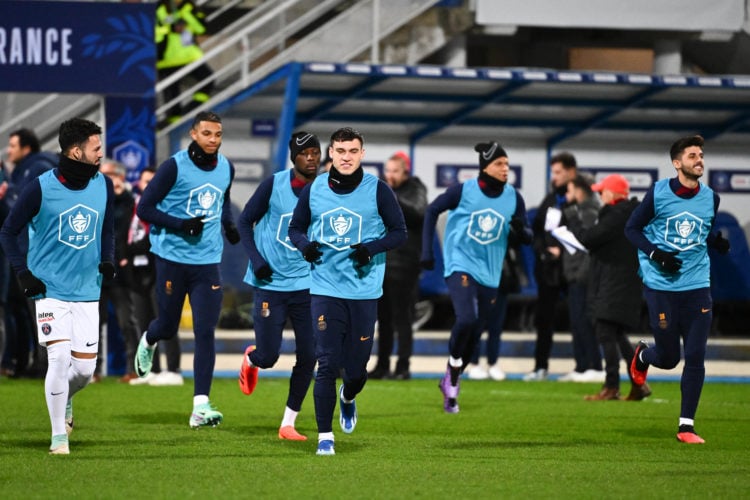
<point x="77" y="226"/>
<point x="282" y="233"/>
<point x="485" y="226"/>
<point x="683" y="231"/>
<point x="340" y="228"/>
<point x="205" y="200"/>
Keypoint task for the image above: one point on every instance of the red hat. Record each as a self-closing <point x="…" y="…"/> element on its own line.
<point x="615" y="183"/>
<point x="403" y="157"/>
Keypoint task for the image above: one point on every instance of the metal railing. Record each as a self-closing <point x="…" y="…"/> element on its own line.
<point x="263" y="29"/>
<point x="341" y="38"/>
<point x="55" y="108"/>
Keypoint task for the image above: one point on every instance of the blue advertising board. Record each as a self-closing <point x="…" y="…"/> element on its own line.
<point x="91" y="48"/>
<point x="77" y="47"/>
<point x="729" y="181"/>
<point x="130" y="132"/>
<point x="263" y="128"/>
<point x="640" y="179"/>
<point x="447" y="175"/>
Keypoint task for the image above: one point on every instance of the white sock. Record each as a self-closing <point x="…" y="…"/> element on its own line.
<point x="79" y="374"/>
<point x="687" y="421"/>
<point x="290" y="417"/>
<point x="200" y="399"/>
<point x="322" y="436"/>
<point x="56" y="384"/>
<point x="344" y="399"/>
<point x="145" y="343"/>
<point x="455" y="363"/>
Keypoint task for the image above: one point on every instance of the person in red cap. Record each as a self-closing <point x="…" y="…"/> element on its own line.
<point x="614" y="286"/>
<point x="396" y="306"/>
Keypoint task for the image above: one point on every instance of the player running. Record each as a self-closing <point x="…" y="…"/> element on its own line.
<point x="280" y="278"/>
<point x="69" y="212"/>
<point x="187" y="203"/>
<point x="343" y="224"/>
<point x="672" y="230"/>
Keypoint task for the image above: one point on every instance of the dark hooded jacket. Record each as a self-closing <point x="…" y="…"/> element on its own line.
<point x="615" y="287"/>
<point x="412" y="198"/>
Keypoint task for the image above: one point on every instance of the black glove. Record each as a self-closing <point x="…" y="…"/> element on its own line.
<point x="721" y="244"/>
<point x="194" y="226"/>
<point x="360" y="255"/>
<point x="667" y="260"/>
<point x="107" y="269"/>
<point x="32" y="286"/>
<point x="230" y="231"/>
<point x="311" y="252"/>
<point x="427" y="264"/>
<point x="263" y="273"/>
<point x="517" y="224"/>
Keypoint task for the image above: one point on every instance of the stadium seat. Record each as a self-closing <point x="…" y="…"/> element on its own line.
<point x="730" y="273"/>
<point x="432" y="283"/>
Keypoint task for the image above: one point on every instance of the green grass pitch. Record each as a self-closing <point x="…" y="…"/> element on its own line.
<point x="510" y="440"/>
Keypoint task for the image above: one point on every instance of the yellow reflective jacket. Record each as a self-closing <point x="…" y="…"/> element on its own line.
<point x="178" y="48"/>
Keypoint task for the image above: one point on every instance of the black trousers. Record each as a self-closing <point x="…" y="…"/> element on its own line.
<point x="545" y="324"/>
<point x="395" y="317"/>
<point x="122" y="303"/>
<point x="615" y="345"/>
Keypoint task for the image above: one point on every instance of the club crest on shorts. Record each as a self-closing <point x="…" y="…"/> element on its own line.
<point x="322" y="325"/>
<point x="265" y="311"/>
<point x="662" y="321"/>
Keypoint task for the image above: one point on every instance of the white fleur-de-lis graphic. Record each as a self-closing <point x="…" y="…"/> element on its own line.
<point x="684" y="227"/>
<point x="131" y="159"/>
<point x="79" y="223"/>
<point x="206" y="199"/>
<point x="340" y="224"/>
<point x="487" y="223"/>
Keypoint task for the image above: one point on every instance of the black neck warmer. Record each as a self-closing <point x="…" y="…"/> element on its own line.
<point x="340" y="182"/>
<point x="201" y="158"/>
<point x="75" y="173"/>
<point x="493" y="187"/>
<point x="561" y="190"/>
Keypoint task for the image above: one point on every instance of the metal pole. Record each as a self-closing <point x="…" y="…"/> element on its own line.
<point x="375" y="47"/>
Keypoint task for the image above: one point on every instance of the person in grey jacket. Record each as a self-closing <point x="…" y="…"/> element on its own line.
<point x="583" y="207"/>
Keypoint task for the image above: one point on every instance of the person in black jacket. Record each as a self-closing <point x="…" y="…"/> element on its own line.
<point x="117" y="290"/>
<point x="396" y="306"/>
<point x="29" y="162"/>
<point x="548" y="262"/>
<point x="615" y="288"/>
